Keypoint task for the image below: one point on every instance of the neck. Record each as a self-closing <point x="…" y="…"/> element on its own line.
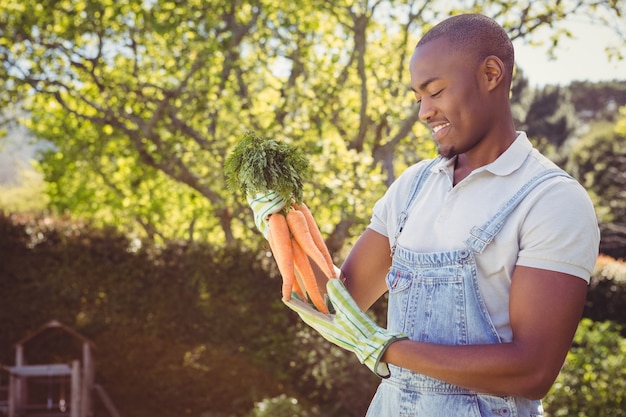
<point x="483" y="155"/>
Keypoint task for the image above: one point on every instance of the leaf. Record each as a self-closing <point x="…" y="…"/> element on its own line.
<point x="259" y="165"/>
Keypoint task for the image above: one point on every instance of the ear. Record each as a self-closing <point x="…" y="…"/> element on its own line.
<point x="493" y="71"/>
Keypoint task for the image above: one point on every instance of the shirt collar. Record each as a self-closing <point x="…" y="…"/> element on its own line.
<point x="507" y="163"/>
<point x="513" y="158"/>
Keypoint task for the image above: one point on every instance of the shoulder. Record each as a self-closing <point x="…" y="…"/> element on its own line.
<point x="387" y="209"/>
<point x="406" y="180"/>
<point x="560" y="191"/>
<point x="560" y="229"/>
<point x="557" y="224"/>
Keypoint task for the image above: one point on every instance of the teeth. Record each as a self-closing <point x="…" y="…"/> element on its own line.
<point x="438" y="128"/>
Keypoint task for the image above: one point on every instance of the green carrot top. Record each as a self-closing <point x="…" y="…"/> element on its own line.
<point x="259" y="165"/>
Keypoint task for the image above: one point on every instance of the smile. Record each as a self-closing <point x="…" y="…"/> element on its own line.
<point x="438" y="128"/>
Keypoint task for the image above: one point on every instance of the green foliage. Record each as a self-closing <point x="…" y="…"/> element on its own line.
<point x="598" y="100"/>
<point x="551" y="116"/>
<point x="260" y="165"/>
<point x="593" y="380"/>
<point x="281" y="406"/>
<point x="607" y="291"/>
<point x="598" y="161"/>
<point x="521" y="97"/>
<point x="27" y="195"/>
<point x="620" y="127"/>
<point x="202" y="326"/>
<point x="333" y="378"/>
<point x="143" y="99"/>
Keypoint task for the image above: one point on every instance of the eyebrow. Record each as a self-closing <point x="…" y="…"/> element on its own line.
<point x="425" y="84"/>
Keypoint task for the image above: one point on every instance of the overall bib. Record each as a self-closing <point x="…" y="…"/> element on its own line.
<point x="434" y="297"/>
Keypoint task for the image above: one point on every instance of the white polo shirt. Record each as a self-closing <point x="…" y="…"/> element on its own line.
<point x="554" y="227"/>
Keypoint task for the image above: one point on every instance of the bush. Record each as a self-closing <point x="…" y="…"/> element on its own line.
<point x="281" y="406"/>
<point x="607" y="291"/>
<point x="179" y="330"/>
<point x="593" y="381"/>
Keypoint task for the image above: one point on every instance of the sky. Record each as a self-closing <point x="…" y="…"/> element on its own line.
<point x="580" y="58"/>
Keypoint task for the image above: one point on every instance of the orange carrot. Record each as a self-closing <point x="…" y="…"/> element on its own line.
<point x="301" y="233"/>
<point x="302" y="265"/>
<point x="317" y="236"/>
<point x="298" y="285"/>
<point x="280" y="243"/>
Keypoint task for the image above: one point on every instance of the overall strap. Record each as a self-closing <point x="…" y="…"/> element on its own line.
<point x="416" y="186"/>
<point x="481" y="236"/>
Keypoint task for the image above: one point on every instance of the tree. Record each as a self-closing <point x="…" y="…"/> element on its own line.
<point x="598" y="100"/>
<point x="545" y="114"/>
<point x="521" y="97"/>
<point x="28" y="196"/>
<point x="144" y="99"/>
<point x="551" y="116"/>
<point x="598" y="161"/>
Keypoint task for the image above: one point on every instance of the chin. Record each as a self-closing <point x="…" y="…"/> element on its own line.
<point x="447" y="152"/>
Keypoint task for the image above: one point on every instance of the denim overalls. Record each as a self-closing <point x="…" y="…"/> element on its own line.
<point x="434" y="297"/>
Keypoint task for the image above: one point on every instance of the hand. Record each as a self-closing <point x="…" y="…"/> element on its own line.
<point x="264" y="205"/>
<point x="349" y="328"/>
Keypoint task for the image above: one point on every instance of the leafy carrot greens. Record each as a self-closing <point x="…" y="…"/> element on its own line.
<point x="258" y="164"/>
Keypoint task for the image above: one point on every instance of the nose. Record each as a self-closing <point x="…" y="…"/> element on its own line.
<point x="426" y="110"/>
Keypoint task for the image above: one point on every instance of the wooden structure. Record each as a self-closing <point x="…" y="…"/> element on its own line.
<point x="67" y="387"/>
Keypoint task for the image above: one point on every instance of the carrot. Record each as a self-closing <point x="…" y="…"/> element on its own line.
<point x="298" y="285"/>
<point x="301" y="233"/>
<point x="317" y="236"/>
<point x="302" y="265"/>
<point x="280" y="243"/>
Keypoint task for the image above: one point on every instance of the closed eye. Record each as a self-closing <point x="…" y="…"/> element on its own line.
<point x="436" y="94"/>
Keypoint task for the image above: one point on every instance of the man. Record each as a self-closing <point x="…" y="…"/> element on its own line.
<point x="486" y="252"/>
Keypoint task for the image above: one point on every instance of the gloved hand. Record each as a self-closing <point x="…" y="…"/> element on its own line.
<point x="348" y="327"/>
<point x="263" y="205"/>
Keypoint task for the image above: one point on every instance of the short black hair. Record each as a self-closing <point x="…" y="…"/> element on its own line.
<point x="476" y="34"/>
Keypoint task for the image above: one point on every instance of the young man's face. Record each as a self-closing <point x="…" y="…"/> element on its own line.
<point x="452" y="100"/>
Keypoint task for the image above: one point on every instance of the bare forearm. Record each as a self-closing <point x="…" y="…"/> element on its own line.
<point x="365" y="268"/>
<point x="499" y="369"/>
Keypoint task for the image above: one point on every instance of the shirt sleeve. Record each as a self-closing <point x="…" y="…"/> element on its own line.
<point x="386" y="210"/>
<point x="378" y="222"/>
<point x="560" y="232"/>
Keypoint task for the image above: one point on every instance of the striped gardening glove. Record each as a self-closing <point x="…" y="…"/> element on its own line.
<point x="297" y="245"/>
<point x="348" y="327"/>
<point x="264" y="205"/>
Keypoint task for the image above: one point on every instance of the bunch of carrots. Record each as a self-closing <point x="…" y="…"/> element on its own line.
<point x="296" y="240"/>
<point x="260" y="165"/>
